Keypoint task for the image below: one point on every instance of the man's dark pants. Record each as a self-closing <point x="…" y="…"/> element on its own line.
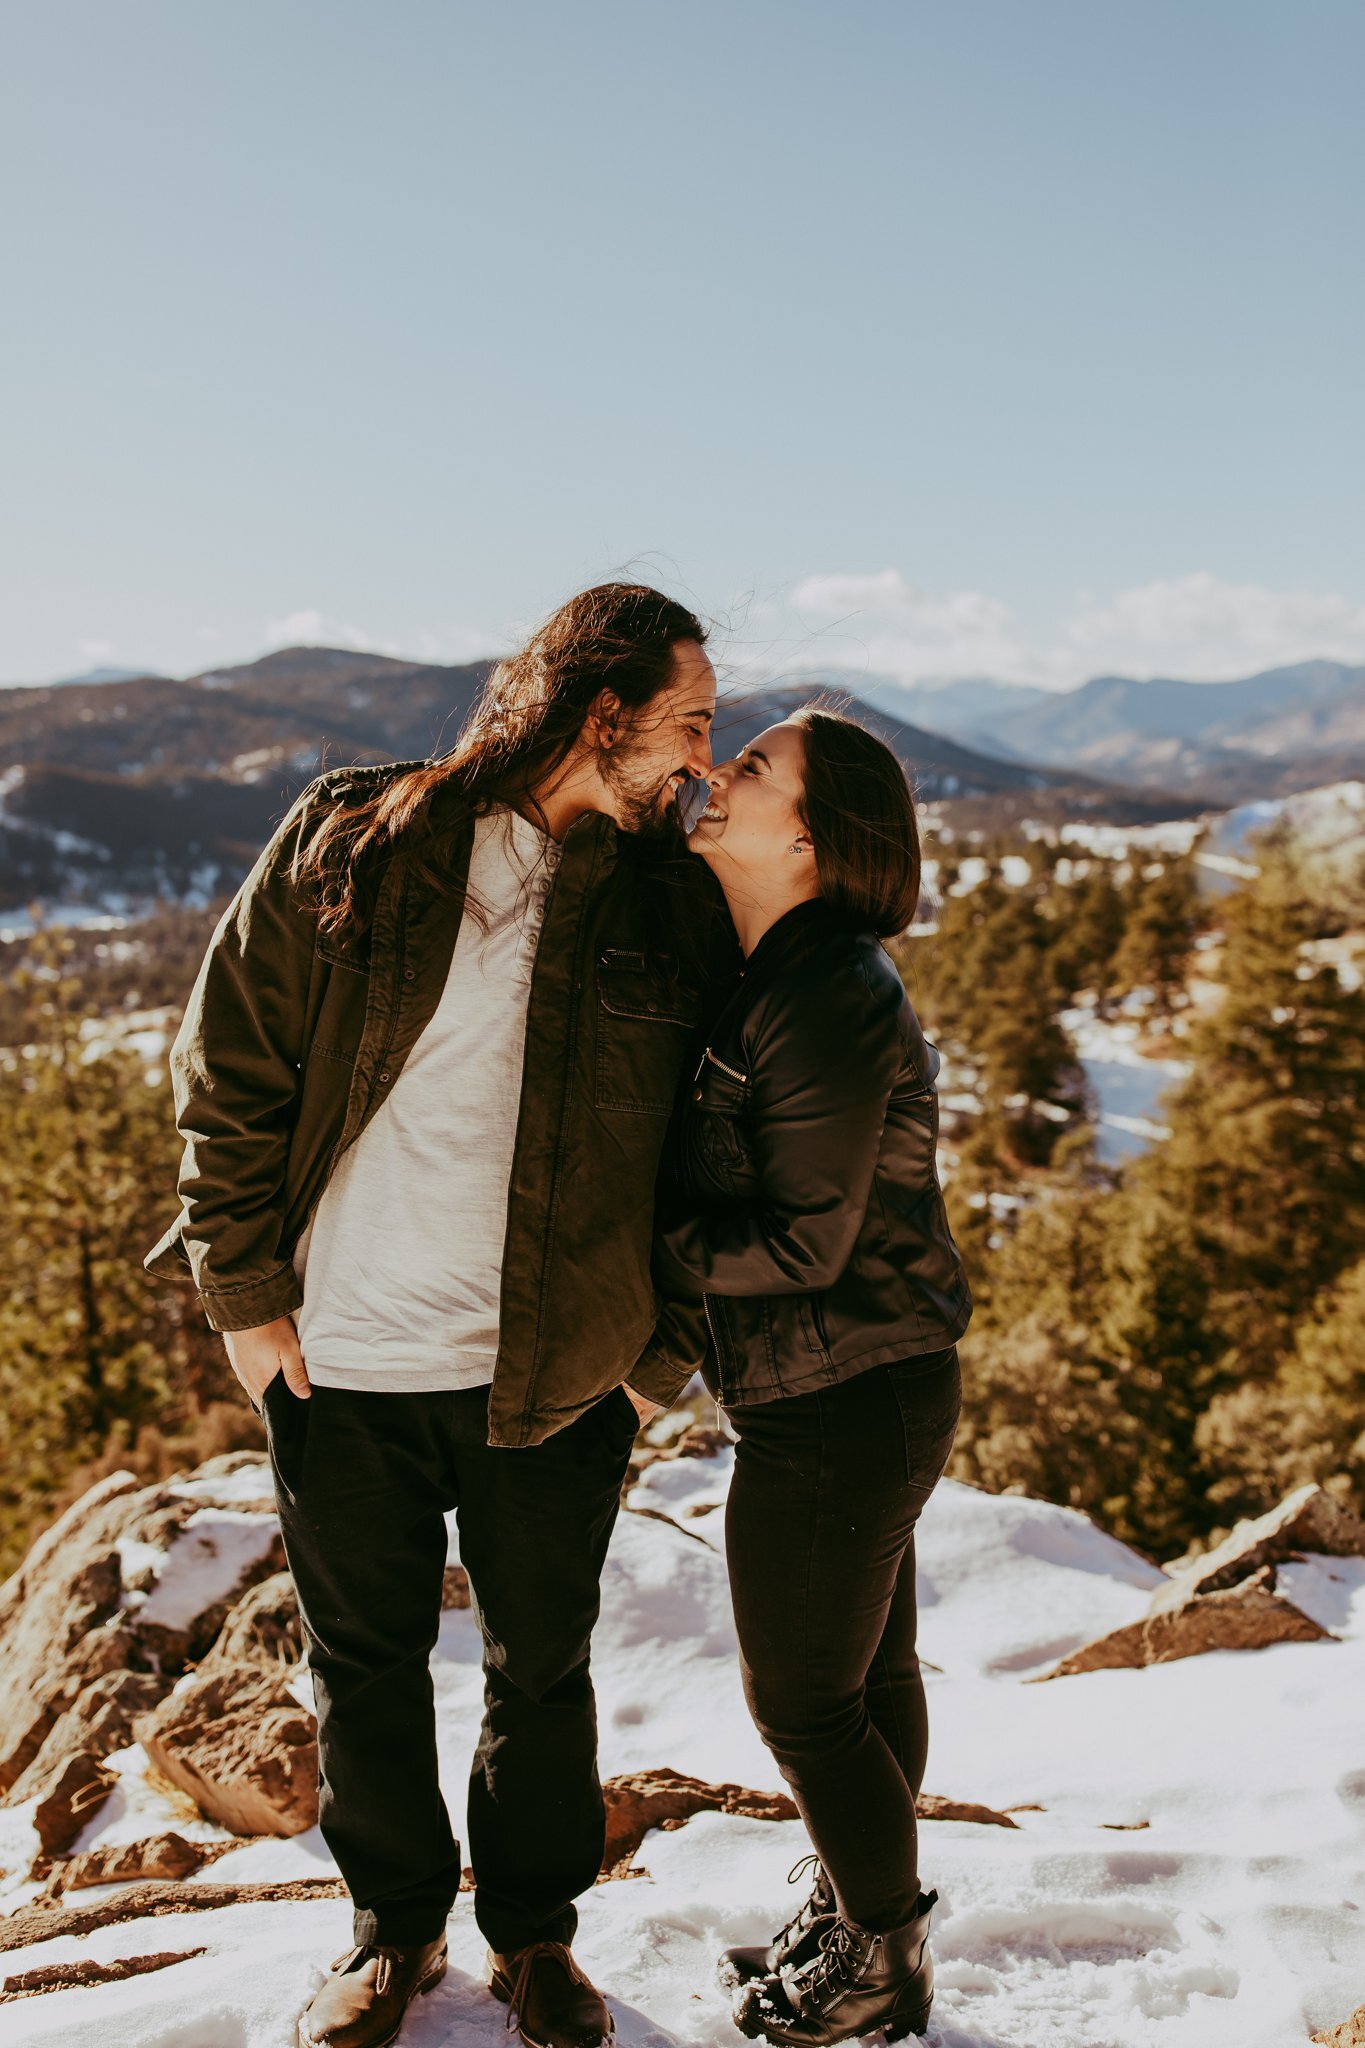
<point x="363" y="1482"/>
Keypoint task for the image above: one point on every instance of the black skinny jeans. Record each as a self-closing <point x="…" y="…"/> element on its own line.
<point x="363" y="1481"/>
<point x="820" y="1536"/>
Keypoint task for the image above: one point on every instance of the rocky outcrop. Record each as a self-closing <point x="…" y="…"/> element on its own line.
<point x="264" y="1628"/>
<point x="60" y="1621"/>
<point x="99" y="1721"/>
<point x="239" y="1744"/>
<point x="1230" y="1599"/>
<point x="930" y="1806"/>
<point x="1306" y="1520"/>
<point x="68" y="1800"/>
<point x="155" y="1856"/>
<point x="1249" y="1616"/>
<point x="27" y="1924"/>
<point x="86" y="1971"/>
<point x="125" y="1588"/>
<point x="454" y="1588"/>
<point x="640" y="1800"/>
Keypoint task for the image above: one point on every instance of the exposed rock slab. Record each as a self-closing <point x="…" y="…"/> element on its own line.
<point x="28" y="1924"/>
<point x="930" y="1806"/>
<point x="155" y="1856"/>
<point x="263" y="1627"/>
<point x="1307" y="1520"/>
<point x="98" y="1721"/>
<point x="241" y="1746"/>
<point x="455" y="1588"/>
<point x="1229" y="1599"/>
<point x="60" y="1623"/>
<point x="68" y="1800"/>
<point x="1249" y="1615"/>
<point x="84" y="1600"/>
<point x="640" y="1800"/>
<point x="70" y="1976"/>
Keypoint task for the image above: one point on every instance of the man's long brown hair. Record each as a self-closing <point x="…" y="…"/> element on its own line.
<point x="530" y="713"/>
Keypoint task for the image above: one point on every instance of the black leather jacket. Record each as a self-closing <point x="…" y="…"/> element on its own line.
<point x="802" y="1199"/>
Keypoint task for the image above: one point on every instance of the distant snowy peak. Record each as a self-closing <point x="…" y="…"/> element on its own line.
<point x="1228" y="738"/>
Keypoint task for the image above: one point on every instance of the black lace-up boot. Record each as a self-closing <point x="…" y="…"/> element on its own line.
<point x="859" y="1981"/>
<point x="797" y="1942"/>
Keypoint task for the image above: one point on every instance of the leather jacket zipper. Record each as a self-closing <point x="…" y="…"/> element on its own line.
<point x="733" y="1072"/>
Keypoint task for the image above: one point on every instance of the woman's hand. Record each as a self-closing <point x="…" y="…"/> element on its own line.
<point x="257" y="1355"/>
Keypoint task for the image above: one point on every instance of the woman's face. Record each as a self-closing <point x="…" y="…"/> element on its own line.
<point x="752" y="821"/>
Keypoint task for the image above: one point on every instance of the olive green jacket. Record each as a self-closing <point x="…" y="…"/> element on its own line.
<point x="293" y="1038"/>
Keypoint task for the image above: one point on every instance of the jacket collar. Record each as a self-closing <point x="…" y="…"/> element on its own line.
<point x="794" y="930"/>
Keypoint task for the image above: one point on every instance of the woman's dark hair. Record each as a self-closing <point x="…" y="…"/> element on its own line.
<point x="530" y="712"/>
<point x="858" y="808"/>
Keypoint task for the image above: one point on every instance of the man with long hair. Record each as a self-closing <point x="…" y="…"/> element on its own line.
<point x="423" y="1080"/>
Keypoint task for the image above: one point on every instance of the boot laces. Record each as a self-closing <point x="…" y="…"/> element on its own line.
<point x="809" y="1909"/>
<point x="388" y="1953"/>
<point x="529" y="1958"/>
<point x="843" y="1951"/>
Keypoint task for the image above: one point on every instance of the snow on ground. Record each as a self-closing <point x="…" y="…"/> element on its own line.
<point x="1193" y="1875"/>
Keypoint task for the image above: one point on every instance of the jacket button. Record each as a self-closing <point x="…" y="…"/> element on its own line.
<point x="409" y="974"/>
<point x="696" y="1094"/>
<point x="384" y="1076"/>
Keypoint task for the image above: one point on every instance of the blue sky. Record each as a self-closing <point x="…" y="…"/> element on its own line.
<point x="934" y="339"/>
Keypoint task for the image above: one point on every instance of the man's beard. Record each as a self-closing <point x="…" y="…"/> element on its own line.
<point x="653" y="816"/>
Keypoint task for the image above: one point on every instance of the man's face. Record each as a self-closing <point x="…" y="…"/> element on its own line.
<point x="662" y="748"/>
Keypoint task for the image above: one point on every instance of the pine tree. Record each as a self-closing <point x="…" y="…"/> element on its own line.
<point x="1266" y="1162"/>
<point x="91" y="1350"/>
<point x="1160" y="919"/>
<point x="1090" y="917"/>
<point x="1308" y="1423"/>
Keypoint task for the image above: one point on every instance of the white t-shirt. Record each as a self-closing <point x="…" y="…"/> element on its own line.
<point x="401" y="1263"/>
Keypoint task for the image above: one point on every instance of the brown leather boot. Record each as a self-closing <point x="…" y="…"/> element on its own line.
<point x="367" y="1992"/>
<point x="551" y="2001"/>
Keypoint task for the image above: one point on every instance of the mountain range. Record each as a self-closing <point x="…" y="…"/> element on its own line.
<point x="1269" y="734"/>
<point x="154" y="787"/>
<point x="147" y="786"/>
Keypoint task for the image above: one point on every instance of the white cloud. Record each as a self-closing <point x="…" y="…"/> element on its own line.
<point x="1197" y="626"/>
<point x="95" y="650"/>
<point x="1202" y="628"/>
<point x="912" y="633"/>
<point x="308" y="628"/>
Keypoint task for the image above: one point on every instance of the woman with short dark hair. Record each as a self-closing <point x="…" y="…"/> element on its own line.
<point x="803" y="1207"/>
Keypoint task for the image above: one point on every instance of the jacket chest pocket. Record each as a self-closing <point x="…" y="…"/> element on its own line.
<point x="716" y="1114"/>
<point x="644" y="1020"/>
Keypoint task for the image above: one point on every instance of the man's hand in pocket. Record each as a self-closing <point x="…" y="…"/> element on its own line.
<point x="257" y="1355"/>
